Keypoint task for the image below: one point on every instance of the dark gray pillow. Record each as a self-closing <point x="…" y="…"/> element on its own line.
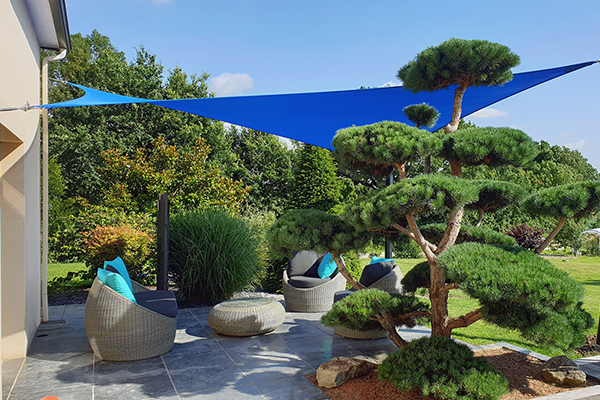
<point x="374" y="272"/>
<point x="160" y="301"/>
<point x="307" y="281"/>
<point x="301" y="263"/>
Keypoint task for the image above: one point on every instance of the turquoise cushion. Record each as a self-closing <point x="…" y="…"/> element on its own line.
<point x="102" y="274"/>
<point x="375" y="260"/>
<point x="119" y="266"/>
<point x="326" y="267"/>
<point x="117" y="283"/>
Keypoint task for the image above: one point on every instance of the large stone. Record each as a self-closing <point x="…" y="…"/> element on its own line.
<point x="342" y="369"/>
<point x="563" y="371"/>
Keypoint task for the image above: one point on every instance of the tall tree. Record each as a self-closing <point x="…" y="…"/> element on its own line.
<point x="315" y="183"/>
<point x="516" y="288"/>
<point x="265" y="164"/>
<point x="79" y="135"/>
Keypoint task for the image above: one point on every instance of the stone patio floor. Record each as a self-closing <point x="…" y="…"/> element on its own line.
<point x="202" y="363"/>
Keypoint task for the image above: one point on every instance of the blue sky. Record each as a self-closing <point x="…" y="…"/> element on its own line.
<point x="275" y="46"/>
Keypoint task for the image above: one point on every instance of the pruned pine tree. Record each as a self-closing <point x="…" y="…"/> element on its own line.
<point x="516" y="288"/>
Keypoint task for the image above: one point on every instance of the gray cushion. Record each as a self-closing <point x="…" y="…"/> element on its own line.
<point x="302" y="262"/>
<point x="307" y="281"/>
<point x="159" y="301"/>
<point x="374" y="272"/>
<point x="344" y="293"/>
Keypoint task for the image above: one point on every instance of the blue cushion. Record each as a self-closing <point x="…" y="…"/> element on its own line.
<point x="375" y="260"/>
<point x="102" y="274"/>
<point x="117" y="283"/>
<point x="326" y="267"/>
<point x="119" y="266"/>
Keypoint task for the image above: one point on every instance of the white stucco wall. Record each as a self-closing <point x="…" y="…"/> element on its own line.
<point x="19" y="180"/>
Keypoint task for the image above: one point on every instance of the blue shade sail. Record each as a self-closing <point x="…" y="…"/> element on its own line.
<point x="314" y="118"/>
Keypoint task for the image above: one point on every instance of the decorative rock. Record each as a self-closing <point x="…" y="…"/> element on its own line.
<point x="342" y="369"/>
<point x="563" y="371"/>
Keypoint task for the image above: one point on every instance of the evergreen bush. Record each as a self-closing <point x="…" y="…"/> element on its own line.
<point x="443" y="368"/>
<point x="212" y="255"/>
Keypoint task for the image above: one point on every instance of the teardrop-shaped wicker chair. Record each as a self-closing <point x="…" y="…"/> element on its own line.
<point x="120" y="330"/>
<point x="314" y="299"/>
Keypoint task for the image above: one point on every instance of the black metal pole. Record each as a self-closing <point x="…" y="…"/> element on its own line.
<point x="162" y="244"/>
<point x="389" y="251"/>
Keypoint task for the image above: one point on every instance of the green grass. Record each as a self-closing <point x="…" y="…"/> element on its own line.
<point x="585" y="270"/>
<point x="60" y="271"/>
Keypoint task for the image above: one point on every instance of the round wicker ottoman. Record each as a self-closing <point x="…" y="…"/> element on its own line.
<point x="355" y="334"/>
<point x="246" y="317"/>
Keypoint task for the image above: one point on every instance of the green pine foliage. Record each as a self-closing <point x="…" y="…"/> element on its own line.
<point x="459" y="62"/>
<point x="468" y="233"/>
<point x="380" y="146"/>
<point x="575" y="200"/>
<point x="443" y="368"/>
<point x="520" y="290"/>
<point x="212" y="255"/>
<point x="360" y="309"/>
<point x="422" y="114"/>
<point x="314" y="230"/>
<point x="378" y="210"/>
<point x="494" y="195"/>
<point x="418" y="277"/>
<point x="490" y="146"/>
<point x="315" y="183"/>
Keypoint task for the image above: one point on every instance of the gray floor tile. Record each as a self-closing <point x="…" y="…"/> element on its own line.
<point x="39" y="363"/>
<point x="83" y="392"/>
<point x="31" y="382"/>
<point x="237" y="392"/>
<point x="296" y="388"/>
<point x="147" y="387"/>
<point x="177" y="361"/>
<point x="195" y="380"/>
<point x="114" y="371"/>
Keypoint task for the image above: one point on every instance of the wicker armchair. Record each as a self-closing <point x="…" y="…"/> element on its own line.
<point x="315" y="299"/>
<point x="121" y="330"/>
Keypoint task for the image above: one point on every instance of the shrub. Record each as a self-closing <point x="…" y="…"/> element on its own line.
<point x="108" y="242"/>
<point x="212" y="255"/>
<point x="443" y="368"/>
<point x="526" y="236"/>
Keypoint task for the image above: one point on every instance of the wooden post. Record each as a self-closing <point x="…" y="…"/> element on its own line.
<point x="162" y="244"/>
<point x="389" y="251"/>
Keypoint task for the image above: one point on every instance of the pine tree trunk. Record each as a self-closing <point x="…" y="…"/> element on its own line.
<point x="478" y="224"/>
<point x="439" y="301"/>
<point x="459" y="92"/>
<point x="542" y="247"/>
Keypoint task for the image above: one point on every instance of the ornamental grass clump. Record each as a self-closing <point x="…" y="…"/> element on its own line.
<point x="212" y="255"/>
<point x="443" y="368"/>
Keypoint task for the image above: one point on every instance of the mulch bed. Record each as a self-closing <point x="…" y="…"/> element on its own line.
<point x="522" y="371"/>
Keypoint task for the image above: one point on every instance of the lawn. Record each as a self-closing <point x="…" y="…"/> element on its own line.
<point x="585" y="270"/>
<point x="62" y="270"/>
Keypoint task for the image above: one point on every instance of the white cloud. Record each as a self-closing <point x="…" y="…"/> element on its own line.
<point x="390" y="84"/>
<point x="488" y="113"/>
<point x="228" y="84"/>
<point x="577" y="145"/>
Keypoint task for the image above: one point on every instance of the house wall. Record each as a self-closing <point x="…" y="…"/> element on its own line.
<point x="19" y="180"/>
